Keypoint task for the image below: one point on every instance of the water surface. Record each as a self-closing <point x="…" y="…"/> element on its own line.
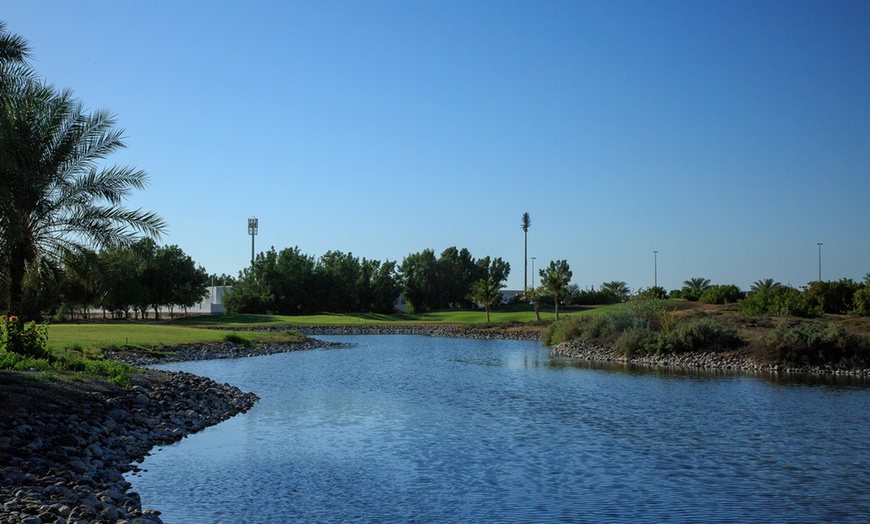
<point x="421" y="429"/>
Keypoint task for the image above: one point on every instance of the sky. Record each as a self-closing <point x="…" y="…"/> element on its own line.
<point x="731" y="137"/>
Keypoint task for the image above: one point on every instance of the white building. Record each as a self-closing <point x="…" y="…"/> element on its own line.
<point x="212" y="303"/>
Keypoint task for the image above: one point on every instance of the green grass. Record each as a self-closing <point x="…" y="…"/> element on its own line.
<point x="90" y="338"/>
<point x="99" y="336"/>
<point x="518" y="314"/>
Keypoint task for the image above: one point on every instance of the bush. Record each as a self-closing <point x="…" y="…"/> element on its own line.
<point x="645" y="308"/>
<point x="779" y="301"/>
<point x="832" y="297"/>
<point x="701" y="334"/>
<point x="813" y="345"/>
<point x="63" y="313"/>
<point x="635" y="340"/>
<point x="722" y="294"/>
<point x="652" y="292"/>
<point x="604" y="328"/>
<point x="861" y="302"/>
<point x="235" y="338"/>
<point x="33" y="338"/>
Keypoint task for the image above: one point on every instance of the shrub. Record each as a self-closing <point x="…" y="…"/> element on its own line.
<point x="645" y="308"/>
<point x="235" y="338"/>
<point x="635" y="340"/>
<point x="568" y="328"/>
<point x="697" y="335"/>
<point x="813" y="344"/>
<point x="605" y="327"/>
<point x="652" y="292"/>
<point x="861" y="302"/>
<point x="721" y="294"/>
<point x="33" y="338"/>
<point x="779" y="301"/>
<point x="832" y="297"/>
<point x="63" y="313"/>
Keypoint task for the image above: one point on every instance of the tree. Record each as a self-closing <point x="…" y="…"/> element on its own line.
<point x="526" y="224"/>
<point x="486" y="293"/>
<point x="722" y="294"/>
<point x="385" y="287"/>
<point x="617" y="289"/>
<point x="57" y="201"/>
<point x="534" y="295"/>
<point x="337" y="277"/>
<point x="555" y="279"/>
<point x="420" y="280"/>
<point x="456" y="271"/>
<point x="693" y="288"/>
<point x="867" y="279"/>
<point x="763" y="285"/>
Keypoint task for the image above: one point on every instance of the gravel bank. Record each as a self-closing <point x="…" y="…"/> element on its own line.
<point x="64" y="446"/>
<point x="217" y="350"/>
<point x="432" y="331"/>
<point x="729" y="360"/>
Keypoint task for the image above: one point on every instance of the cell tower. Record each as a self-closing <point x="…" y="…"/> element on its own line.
<point x="253" y="224"/>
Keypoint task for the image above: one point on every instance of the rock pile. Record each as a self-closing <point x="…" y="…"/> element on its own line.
<point x="432" y="331"/>
<point x="218" y="350"/>
<point x="63" y="461"/>
<point x="712" y="360"/>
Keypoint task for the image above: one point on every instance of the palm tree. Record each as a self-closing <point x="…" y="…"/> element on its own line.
<point x="696" y="285"/>
<point x="554" y="280"/>
<point x="527" y="223"/>
<point x="57" y="201"/>
<point x="867" y="279"/>
<point x="763" y="285"/>
<point x="616" y="288"/>
<point x="486" y="293"/>
<point x="534" y="295"/>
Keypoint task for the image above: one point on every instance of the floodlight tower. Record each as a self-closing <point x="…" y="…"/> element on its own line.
<point x="252" y="230"/>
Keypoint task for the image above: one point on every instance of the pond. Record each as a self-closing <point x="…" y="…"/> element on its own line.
<point x="421" y="429"/>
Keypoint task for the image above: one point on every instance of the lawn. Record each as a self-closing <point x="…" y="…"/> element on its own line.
<point x="190" y="330"/>
<point x="99" y="336"/>
<point x="457" y="317"/>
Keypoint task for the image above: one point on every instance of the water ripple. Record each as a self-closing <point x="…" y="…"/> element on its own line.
<point x="418" y="429"/>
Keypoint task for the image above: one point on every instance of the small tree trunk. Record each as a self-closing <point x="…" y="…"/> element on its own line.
<point x="16" y="302"/>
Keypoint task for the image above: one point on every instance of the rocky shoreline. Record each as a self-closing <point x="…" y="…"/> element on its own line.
<point x="64" y="446"/>
<point x="427" y="330"/>
<point x="720" y="361"/>
<point x="210" y="351"/>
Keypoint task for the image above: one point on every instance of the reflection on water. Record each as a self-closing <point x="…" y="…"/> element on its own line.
<point x="419" y="429"/>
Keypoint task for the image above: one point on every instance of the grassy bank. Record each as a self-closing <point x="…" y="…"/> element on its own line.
<point x="91" y="337"/>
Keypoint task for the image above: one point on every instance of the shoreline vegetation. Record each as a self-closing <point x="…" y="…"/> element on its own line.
<point x="68" y="439"/>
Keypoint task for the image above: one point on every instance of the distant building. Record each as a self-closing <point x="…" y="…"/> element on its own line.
<point x="509" y="294"/>
<point x="212" y="303"/>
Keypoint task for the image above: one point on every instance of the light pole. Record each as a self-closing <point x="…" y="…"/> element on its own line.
<point x="533" y="270"/>
<point x="820" y="260"/>
<point x="655" y="269"/>
<point x="253" y="224"/>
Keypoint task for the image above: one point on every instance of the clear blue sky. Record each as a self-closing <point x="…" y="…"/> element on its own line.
<point x="729" y="136"/>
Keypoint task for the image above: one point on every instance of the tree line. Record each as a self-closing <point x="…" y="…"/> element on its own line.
<point x="290" y="282"/>
<point x="123" y="281"/>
